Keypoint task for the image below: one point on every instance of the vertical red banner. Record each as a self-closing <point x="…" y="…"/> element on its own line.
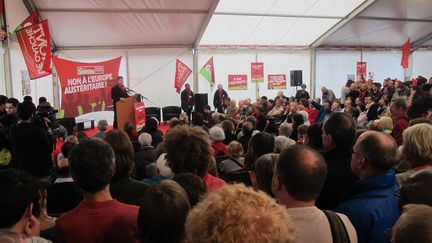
<point x="181" y="75"/>
<point x="140" y="116"/>
<point x="35" y="45"/>
<point x="257" y="72"/>
<point x="361" y="70"/>
<point x="406" y="49"/>
<point x="86" y="87"/>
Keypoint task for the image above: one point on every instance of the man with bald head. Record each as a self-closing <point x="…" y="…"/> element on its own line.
<point x="371" y="204"/>
<point x="298" y="178"/>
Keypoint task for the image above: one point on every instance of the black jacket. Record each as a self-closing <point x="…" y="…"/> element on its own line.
<point x="218" y="102"/>
<point x="339" y="178"/>
<point x="117" y="93"/>
<point x="300" y="95"/>
<point x="185" y="105"/>
<point x="128" y="191"/>
<point x="372" y="113"/>
<point x="63" y="197"/>
<point x="33" y="146"/>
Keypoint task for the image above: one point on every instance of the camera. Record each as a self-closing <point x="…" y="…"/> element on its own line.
<point x="42" y="113"/>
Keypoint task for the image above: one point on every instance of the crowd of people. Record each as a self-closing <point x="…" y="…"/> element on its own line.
<point x="354" y="168"/>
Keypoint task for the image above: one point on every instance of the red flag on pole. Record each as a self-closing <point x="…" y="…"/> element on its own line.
<point x="35" y="45"/>
<point x="181" y="75"/>
<point x="406" y="49"/>
<point x="30" y="20"/>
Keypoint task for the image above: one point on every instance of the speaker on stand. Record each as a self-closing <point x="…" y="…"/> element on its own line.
<point x="296" y="78"/>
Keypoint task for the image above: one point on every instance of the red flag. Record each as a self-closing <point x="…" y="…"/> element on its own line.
<point x="181" y="75"/>
<point x="30" y="20"/>
<point x="36" y="48"/>
<point x="406" y="49"/>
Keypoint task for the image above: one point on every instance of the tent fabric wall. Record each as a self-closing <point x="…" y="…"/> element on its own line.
<point x="422" y="63"/>
<point x="239" y="62"/>
<point x="332" y="67"/>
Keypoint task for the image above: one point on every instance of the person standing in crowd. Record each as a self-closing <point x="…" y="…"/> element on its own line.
<point x="338" y="137"/>
<point x="327" y="94"/>
<point x="345" y="90"/>
<point x="3" y="100"/>
<point x="32" y="143"/>
<point x="118" y="93"/>
<point x="298" y="178"/>
<point x="219" y="98"/>
<point x="398" y="110"/>
<point x="371" y="204"/>
<point x="11" y="118"/>
<point x="98" y="218"/>
<point x="302" y="93"/>
<point x="187" y="100"/>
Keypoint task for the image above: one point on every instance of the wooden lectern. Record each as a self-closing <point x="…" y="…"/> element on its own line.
<point x="125" y="112"/>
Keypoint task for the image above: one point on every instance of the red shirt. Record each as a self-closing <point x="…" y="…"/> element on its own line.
<point x="219" y="148"/>
<point x="212" y="183"/>
<point x="108" y="221"/>
<point x="401" y="123"/>
<point x="313" y="115"/>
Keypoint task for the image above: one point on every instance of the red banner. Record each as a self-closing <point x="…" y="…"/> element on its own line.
<point x="257" y="72"/>
<point x="237" y="82"/>
<point x="36" y="48"/>
<point x="361" y="70"/>
<point x="86" y="87"/>
<point x="30" y="20"/>
<point x="277" y="81"/>
<point x="181" y="75"/>
<point x="140" y="116"/>
<point x="406" y="49"/>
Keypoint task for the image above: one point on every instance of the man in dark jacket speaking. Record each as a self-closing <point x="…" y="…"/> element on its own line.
<point x="187" y="100"/>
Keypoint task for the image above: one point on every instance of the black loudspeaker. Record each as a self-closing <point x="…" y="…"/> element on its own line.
<point x="68" y="122"/>
<point x="200" y="101"/>
<point x="296" y="77"/>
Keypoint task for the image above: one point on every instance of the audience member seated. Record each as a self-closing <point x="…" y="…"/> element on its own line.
<point x="189" y="150"/>
<point x="297" y="120"/>
<point x="151" y="127"/>
<point x="414" y="225"/>
<point x="217" y="135"/>
<point x="259" y="114"/>
<point x="247" y="131"/>
<point x="129" y="129"/>
<point x="33" y="144"/>
<point x="162" y="214"/>
<point x="301" y="133"/>
<point x="313" y="137"/>
<point x="235" y="162"/>
<point x="144" y="156"/>
<point x="98" y="218"/>
<point x="193" y="186"/>
<point x="338" y="137"/>
<point x="264" y="168"/>
<point x="102" y="127"/>
<point x="417" y="189"/>
<point x="229" y="130"/>
<point x="371" y="204"/>
<point x="299" y="176"/>
<point x="81" y="135"/>
<point x="260" y="144"/>
<point x="417" y="149"/>
<point x="63" y="195"/>
<point x="122" y="187"/>
<point x="398" y="109"/>
<point x="239" y="214"/>
<point x="281" y="142"/>
<point x="285" y="129"/>
<point x="19" y="208"/>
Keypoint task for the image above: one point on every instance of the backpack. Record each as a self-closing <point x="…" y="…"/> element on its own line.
<point x="338" y="230"/>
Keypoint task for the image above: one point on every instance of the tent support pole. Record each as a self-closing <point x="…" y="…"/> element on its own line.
<point x="195" y="70"/>
<point x="7" y="55"/>
<point x="313" y="87"/>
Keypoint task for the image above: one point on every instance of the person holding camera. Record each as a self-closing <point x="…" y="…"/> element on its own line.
<point x="32" y="144"/>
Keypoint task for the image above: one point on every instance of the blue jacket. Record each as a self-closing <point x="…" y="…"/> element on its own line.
<point x="323" y="112"/>
<point x="372" y="207"/>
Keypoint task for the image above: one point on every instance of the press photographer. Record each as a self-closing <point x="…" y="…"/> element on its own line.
<point x="32" y="144"/>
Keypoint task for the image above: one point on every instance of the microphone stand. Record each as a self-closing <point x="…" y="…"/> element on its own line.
<point x="134" y="93"/>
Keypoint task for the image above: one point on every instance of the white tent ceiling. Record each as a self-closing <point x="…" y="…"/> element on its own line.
<point x="83" y="24"/>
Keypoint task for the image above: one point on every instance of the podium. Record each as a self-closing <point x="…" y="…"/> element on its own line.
<point x="132" y="111"/>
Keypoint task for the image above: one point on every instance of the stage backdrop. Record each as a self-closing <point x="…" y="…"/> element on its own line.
<point x="86" y="87"/>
